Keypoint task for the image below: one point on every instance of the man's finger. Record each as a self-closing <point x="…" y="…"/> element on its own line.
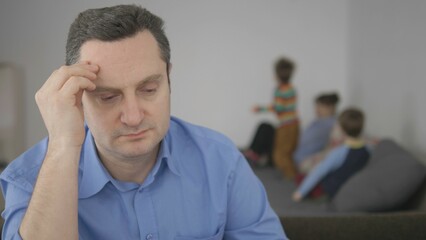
<point x="64" y="73"/>
<point x="76" y="84"/>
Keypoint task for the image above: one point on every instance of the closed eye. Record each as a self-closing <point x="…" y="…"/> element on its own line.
<point x="108" y="98"/>
<point x="150" y="90"/>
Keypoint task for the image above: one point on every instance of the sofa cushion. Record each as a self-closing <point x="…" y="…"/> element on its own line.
<point x="390" y="178"/>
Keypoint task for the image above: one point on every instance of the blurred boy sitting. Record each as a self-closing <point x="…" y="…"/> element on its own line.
<point x="341" y="163"/>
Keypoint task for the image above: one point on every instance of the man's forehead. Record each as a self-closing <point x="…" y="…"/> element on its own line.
<point x="142" y="44"/>
<point x="137" y="55"/>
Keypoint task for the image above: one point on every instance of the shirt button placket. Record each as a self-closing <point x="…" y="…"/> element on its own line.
<point x="146" y="216"/>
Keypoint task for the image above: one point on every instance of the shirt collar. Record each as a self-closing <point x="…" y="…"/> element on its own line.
<point x="354" y="143"/>
<point x="93" y="176"/>
<point x="166" y="153"/>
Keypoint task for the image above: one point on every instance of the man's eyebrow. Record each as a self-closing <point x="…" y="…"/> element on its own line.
<point x="100" y="89"/>
<point x="151" y="78"/>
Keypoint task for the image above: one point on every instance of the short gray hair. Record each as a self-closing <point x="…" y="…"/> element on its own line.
<point x="113" y="24"/>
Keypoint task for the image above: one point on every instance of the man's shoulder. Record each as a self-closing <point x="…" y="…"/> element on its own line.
<point x="203" y="135"/>
<point x="24" y="169"/>
<point x="195" y="145"/>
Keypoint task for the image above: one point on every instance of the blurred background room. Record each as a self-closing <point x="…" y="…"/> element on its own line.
<point x="372" y="52"/>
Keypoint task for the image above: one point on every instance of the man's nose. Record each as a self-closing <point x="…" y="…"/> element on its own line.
<point x="132" y="113"/>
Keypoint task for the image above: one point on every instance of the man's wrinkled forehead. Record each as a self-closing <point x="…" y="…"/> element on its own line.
<point x="142" y="44"/>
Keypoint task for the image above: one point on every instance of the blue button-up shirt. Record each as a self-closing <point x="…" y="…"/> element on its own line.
<point x="200" y="188"/>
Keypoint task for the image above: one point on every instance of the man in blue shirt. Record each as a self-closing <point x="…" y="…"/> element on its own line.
<point x="115" y="164"/>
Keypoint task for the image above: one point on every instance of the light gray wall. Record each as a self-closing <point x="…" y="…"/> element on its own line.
<point x="387" y="60"/>
<point x="11" y="113"/>
<point x="222" y="53"/>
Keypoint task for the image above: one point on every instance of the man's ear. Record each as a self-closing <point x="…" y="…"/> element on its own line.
<point x="169" y="69"/>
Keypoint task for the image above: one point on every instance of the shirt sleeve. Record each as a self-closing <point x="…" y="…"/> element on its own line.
<point x="17" y="201"/>
<point x="333" y="160"/>
<point x="249" y="214"/>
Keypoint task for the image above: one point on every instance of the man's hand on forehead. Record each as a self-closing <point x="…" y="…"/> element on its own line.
<point x="59" y="101"/>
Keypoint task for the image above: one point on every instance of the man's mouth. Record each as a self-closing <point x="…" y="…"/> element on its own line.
<point x="139" y="134"/>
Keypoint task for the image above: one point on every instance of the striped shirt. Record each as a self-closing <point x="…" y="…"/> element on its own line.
<point x="284" y="105"/>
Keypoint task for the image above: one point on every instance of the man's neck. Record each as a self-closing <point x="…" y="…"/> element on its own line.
<point x="130" y="170"/>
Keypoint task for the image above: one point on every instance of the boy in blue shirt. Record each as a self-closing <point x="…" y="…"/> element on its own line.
<point x="341" y="163"/>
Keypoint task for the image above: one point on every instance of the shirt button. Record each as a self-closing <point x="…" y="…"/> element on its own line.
<point x="148" y="237"/>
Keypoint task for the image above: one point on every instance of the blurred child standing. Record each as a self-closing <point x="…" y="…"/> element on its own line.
<point x="284" y="106"/>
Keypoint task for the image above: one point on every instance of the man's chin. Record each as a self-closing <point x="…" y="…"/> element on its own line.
<point x="136" y="150"/>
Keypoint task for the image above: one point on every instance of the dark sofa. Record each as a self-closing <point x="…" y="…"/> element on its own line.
<point x="393" y="180"/>
<point x="389" y="226"/>
<point x="386" y="200"/>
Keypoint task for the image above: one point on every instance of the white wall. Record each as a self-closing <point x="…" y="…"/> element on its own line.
<point x="387" y="45"/>
<point x="222" y="53"/>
